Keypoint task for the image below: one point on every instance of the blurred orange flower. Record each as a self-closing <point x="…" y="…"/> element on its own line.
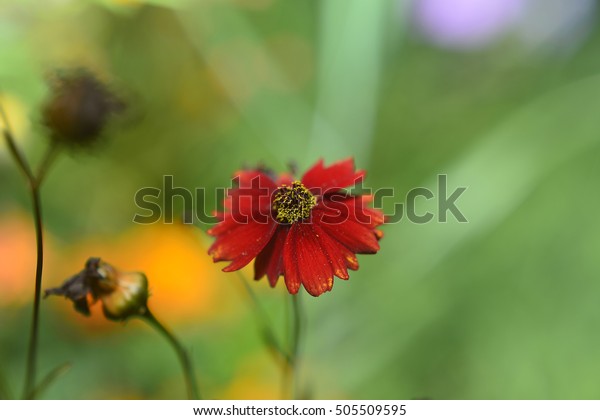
<point x="17" y="257"/>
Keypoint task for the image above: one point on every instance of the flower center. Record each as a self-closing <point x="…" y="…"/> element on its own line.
<point x="293" y="202"/>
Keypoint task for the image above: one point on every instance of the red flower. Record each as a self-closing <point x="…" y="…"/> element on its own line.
<point x="308" y="231"/>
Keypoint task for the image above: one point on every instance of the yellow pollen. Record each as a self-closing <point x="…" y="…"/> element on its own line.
<point x="293" y="203"/>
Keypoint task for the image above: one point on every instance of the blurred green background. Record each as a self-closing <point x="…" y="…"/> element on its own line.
<point x="503" y="96"/>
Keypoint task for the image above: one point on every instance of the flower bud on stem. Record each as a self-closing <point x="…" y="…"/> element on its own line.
<point x="123" y="295"/>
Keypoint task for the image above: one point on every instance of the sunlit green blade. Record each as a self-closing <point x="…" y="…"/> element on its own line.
<point x="350" y="55"/>
<point x="49" y="379"/>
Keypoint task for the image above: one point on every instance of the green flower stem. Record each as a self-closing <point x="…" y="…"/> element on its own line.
<point x="266" y="329"/>
<point x="295" y="346"/>
<point x="49" y="157"/>
<point x="34" y="181"/>
<point x="290" y="358"/>
<point x="184" y="358"/>
<point x="15" y="152"/>
<point x="30" y="376"/>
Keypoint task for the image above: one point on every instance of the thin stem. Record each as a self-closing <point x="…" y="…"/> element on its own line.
<point x="295" y="345"/>
<point x="48" y="380"/>
<point x="34" y="183"/>
<point x="49" y="157"/>
<point x="34" y="332"/>
<point x="184" y="359"/>
<point x="286" y="390"/>
<point x="267" y="330"/>
<point x="35" y="186"/>
<point x="290" y="358"/>
<point x="15" y="152"/>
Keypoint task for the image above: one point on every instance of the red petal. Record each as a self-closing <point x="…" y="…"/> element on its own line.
<point x="305" y="262"/>
<point x="340" y="207"/>
<point x="241" y="243"/>
<point x="321" y="180"/>
<point x="336" y="252"/>
<point x="351" y="260"/>
<point x="251" y="198"/>
<point x="358" y="238"/>
<point x="227" y="223"/>
<point x="270" y="260"/>
<point x="290" y="263"/>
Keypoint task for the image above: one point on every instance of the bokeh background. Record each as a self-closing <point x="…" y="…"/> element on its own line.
<point x="503" y="96"/>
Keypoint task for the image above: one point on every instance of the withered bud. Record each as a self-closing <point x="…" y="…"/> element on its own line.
<point x="262" y="168"/>
<point x="122" y="294"/>
<point x="79" y="107"/>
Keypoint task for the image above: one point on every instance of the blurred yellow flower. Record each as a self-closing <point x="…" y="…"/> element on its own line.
<point x="19" y="123"/>
<point x="256" y="379"/>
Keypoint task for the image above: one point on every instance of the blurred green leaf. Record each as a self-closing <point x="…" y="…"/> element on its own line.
<point x="49" y="379"/>
<point x="5" y="393"/>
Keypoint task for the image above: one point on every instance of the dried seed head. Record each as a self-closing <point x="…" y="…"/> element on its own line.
<point x="79" y="108"/>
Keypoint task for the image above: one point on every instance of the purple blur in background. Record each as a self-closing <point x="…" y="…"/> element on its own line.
<point x="543" y="25"/>
<point x="466" y="24"/>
